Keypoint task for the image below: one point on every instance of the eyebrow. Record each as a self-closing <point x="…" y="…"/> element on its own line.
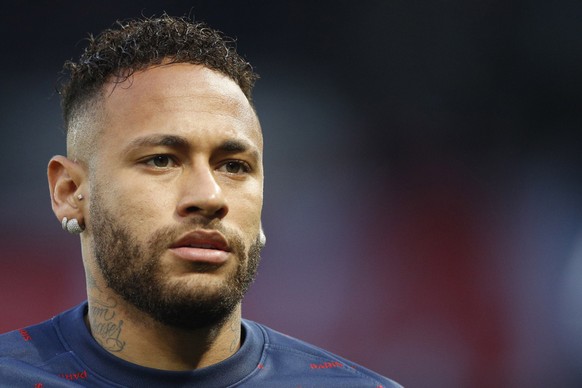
<point x="158" y="140"/>
<point x="237" y="146"/>
<point x="233" y="146"/>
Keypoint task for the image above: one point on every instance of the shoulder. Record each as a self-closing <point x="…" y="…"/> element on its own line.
<point x="33" y="354"/>
<point x="307" y="365"/>
<point x="30" y="344"/>
<point x="23" y="352"/>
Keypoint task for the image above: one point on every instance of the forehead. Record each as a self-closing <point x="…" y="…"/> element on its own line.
<point x="184" y="99"/>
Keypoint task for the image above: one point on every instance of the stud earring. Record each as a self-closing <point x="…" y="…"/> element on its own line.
<point x="80" y="197"/>
<point x="72" y="226"/>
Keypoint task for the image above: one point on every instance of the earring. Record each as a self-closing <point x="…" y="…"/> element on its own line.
<point x="72" y="226"/>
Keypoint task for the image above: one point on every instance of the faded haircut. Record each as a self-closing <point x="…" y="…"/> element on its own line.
<point x="133" y="45"/>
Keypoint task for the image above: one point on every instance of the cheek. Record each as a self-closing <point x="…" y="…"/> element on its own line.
<point x="147" y="208"/>
<point x="246" y="209"/>
<point x="136" y="204"/>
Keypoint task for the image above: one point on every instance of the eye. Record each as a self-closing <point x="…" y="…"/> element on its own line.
<point x="235" y="167"/>
<point x="160" y="161"/>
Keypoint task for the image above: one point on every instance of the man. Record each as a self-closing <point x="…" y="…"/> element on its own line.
<point x="163" y="180"/>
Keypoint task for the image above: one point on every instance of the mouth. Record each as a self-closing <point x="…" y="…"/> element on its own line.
<point x="202" y="246"/>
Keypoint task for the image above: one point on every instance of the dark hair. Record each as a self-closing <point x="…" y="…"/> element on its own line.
<point x="139" y="43"/>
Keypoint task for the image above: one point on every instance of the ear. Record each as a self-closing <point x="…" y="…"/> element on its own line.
<point x="262" y="237"/>
<point x="67" y="180"/>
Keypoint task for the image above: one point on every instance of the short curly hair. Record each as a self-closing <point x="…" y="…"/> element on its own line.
<point x="133" y="45"/>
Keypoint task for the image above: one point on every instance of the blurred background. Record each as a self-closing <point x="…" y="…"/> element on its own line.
<point x="423" y="200"/>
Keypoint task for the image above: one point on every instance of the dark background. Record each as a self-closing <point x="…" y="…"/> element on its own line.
<point x="423" y="193"/>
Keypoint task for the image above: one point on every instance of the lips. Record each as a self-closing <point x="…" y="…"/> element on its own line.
<point x="202" y="246"/>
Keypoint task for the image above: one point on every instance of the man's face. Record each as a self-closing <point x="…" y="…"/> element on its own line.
<point x="176" y="194"/>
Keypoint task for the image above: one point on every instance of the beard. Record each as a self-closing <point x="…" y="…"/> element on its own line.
<point x="135" y="272"/>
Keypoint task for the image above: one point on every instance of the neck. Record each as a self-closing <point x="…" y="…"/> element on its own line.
<point x="134" y="336"/>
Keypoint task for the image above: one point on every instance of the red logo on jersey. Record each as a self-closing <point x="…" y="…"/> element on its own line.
<point x="74" y="376"/>
<point x="25" y="335"/>
<point x="327" y="365"/>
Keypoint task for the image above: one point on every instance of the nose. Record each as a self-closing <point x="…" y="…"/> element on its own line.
<point x="201" y="195"/>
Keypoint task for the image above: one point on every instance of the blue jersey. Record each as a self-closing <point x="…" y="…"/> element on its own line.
<point x="62" y="353"/>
